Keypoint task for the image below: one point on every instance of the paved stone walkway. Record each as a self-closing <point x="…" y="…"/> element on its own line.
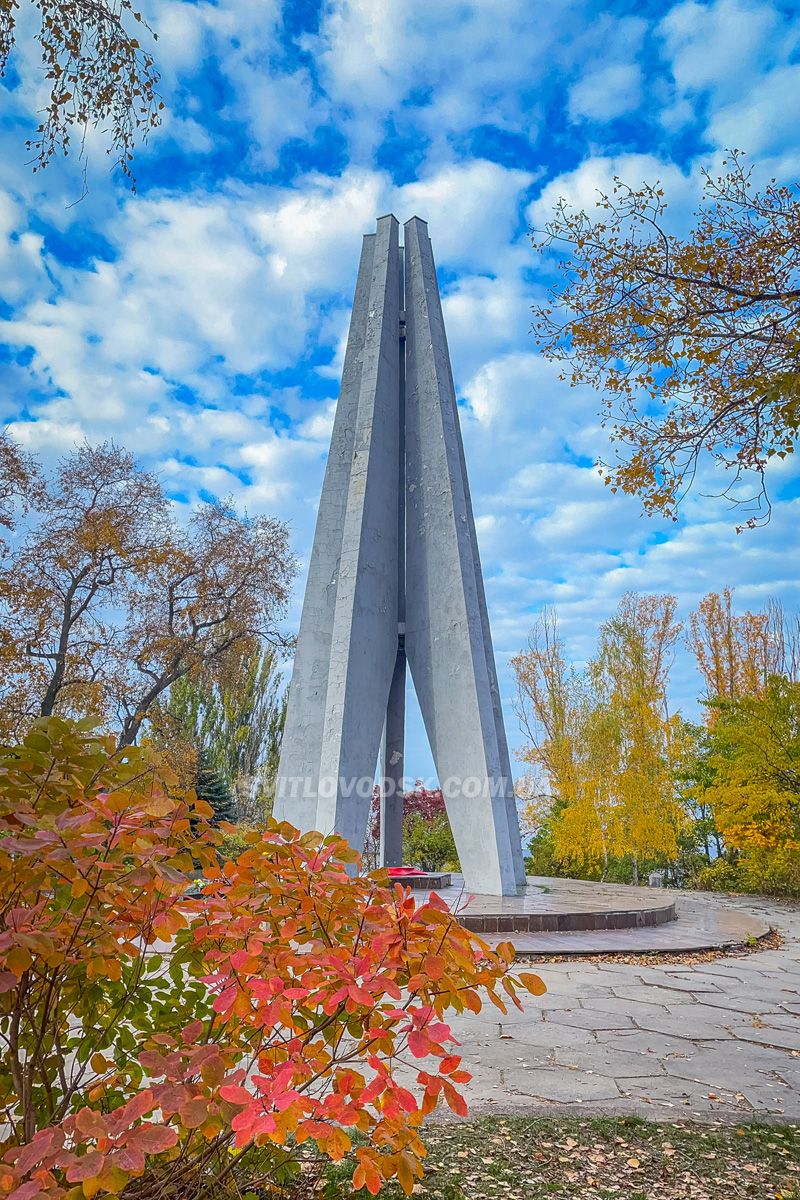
<point x="716" y="1040"/>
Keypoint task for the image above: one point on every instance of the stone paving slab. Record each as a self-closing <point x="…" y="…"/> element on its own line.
<point x="668" y="1041"/>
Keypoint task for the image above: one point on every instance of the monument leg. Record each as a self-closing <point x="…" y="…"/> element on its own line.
<point x="445" y="641"/>
<point x="512" y="816"/>
<point x="392" y="768"/>
<point x="298" y="772"/>
<point x="364" y="633"/>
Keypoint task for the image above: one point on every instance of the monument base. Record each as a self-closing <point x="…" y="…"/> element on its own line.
<point x="421" y="881"/>
<point x="574" y="917"/>
<point x="559" y="906"/>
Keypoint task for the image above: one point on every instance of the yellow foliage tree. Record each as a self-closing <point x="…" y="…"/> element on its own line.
<point x="737" y="654"/>
<point x="755" y="786"/>
<point x="630" y="674"/>
<point x="106" y="600"/>
<point x="692" y="342"/>
<point x="554" y="707"/>
<point x="603" y="738"/>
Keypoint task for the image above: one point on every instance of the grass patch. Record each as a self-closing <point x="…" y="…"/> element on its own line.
<point x="603" y="1158"/>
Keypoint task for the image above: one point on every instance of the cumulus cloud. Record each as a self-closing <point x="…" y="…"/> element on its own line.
<point x="242" y="41"/>
<point x="716" y="46"/>
<point x="583" y="186"/>
<point x="606" y="93"/>
<point x="762" y="119"/>
<point x="731" y="61"/>
<point x="472" y="210"/>
<point x="448" y="66"/>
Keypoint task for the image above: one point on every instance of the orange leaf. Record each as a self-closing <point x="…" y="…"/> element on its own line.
<point x="532" y="983"/>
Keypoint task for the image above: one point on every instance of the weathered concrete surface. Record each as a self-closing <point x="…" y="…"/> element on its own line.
<point x="364" y="634"/>
<point x="392" y="764"/>
<point x="717" y="1040"/>
<point x="395" y="571"/>
<point x="298" y="776"/>
<point x="390" y="851"/>
<point x="576" y="917"/>
<point x="348" y="631"/>
<point x="447" y="644"/>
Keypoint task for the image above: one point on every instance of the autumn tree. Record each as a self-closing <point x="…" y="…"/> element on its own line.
<point x="753" y="785"/>
<point x="693" y="777"/>
<point x="737" y="653"/>
<point x="217" y="588"/>
<point x="693" y="342"/>
<point x="630" y="673"/>
<point x="99" y="75"/>
<point x="428" y="840"/>
<point x="740" y="781"/>
<point x="566" y="748"/>
<point x="238" y="722"/>
<point x="100" y="521"/>
<point x="603" y="738"/>
<point x="19" y="484"/>
<point x="548" y="703"/>
<point x="107" y="601"/>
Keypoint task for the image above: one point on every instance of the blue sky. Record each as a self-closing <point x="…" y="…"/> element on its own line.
<point x="201" y="322"/>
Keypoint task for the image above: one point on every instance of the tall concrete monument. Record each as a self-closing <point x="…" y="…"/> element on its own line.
<point x="395" y="578"/>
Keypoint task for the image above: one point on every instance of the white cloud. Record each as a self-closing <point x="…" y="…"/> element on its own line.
<point x="762" y="120"/>
<point x="508" y="389"/>
<point x="607" y="93"/>
<point x="21" y="264"/>
<point x="312" y="232"/>
<point x="485" y="316"/>
<point x="454" y="65"/>
<point x="243" y="39"/>
<point x="718" y="46"/>
<point x="208" y="285"/>
<point x="731" y="63"/>
<point x="472" y="208"/>
<point x="582" y="187"/>
<point x="203" y="285"/>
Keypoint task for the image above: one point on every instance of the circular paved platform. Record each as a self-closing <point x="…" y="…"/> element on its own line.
<point x="575" y="917"/>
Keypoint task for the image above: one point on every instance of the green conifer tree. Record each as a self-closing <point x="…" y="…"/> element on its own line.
<point x="212" y="787"/>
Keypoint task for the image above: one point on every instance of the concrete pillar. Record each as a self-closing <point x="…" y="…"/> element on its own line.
<point x="445" y="635"/>
<point x="512" y="816"/>
<point x="395" y="571"/>
<point x="364" y="629"/>
<point x="392" y="768"/>
<point x="298" y="773"/>
<point x="390" y="852"/>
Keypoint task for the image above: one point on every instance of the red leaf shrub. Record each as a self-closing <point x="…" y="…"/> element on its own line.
<point x="152" y="1041"/>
